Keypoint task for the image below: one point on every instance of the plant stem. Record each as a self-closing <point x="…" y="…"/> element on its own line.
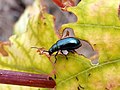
<point x="26" y="79"/>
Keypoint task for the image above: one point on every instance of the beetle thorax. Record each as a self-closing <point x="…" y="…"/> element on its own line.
<point x="53" y="49"/>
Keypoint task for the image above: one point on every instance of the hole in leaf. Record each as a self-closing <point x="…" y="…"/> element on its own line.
<point x="61" y="17"/>
<point x="86" y="49"/>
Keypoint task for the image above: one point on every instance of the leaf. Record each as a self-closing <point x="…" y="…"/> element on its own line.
<point x="22" y="57"/>
<point x="98" y="23"/>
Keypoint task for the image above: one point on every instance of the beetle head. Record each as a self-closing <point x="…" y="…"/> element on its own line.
<point x="50" y="52"/>
<point x="53" y="49"/>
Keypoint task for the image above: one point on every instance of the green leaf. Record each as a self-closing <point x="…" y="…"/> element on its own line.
<point x="98" y="23"/>
<point x="39" y="32"/>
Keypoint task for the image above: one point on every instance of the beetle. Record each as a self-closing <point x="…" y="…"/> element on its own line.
<point x="63" y="45"/>
<point x="68" y="44"/>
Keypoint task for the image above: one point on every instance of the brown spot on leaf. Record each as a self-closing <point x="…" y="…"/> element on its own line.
<point x="2" y="50"/>
<point x="78" y="88"/>
<point x="81" y="86"/>
<point x="119" y="12"/>
<point x="77" y="79"/>
<point x="89" y="74"/>
<point x="68" y="32"/>
<point x="112" y="85"/>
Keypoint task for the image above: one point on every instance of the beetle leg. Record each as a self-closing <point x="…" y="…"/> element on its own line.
<point x="56" y="56"/>
<point x="64" y="55"/>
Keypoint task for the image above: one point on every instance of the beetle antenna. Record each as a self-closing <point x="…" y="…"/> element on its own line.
<point x="35" y="47"/>
<point x="46" y="51"/>
<point x="40" y="49"/>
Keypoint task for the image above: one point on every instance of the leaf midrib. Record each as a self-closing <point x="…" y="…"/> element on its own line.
<point x="98" y="25"/>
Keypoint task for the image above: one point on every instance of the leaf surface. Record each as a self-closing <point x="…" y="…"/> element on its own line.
<point x="98" y="23"/>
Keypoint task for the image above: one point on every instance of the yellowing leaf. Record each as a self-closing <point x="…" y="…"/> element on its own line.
<point x="98" y="23"/>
